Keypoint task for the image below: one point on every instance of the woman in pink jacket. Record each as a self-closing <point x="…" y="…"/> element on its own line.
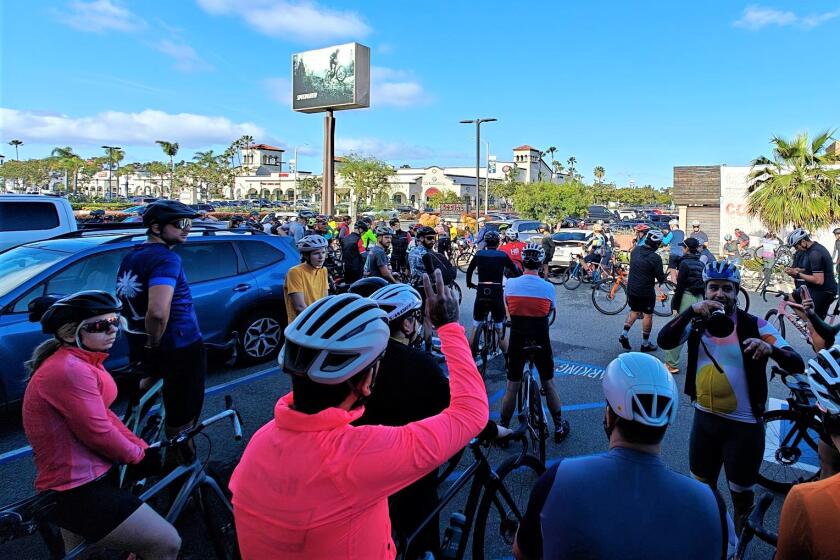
<point x="76" y="439"/>
<point x="310" y="485"/>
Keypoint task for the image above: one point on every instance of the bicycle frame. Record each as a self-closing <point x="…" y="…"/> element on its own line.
<point x="529" y="378"/>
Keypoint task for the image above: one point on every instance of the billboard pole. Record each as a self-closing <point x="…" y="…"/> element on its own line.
<point x="328" y="188"/>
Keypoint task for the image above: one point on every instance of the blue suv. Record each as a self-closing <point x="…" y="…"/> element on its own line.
<point x="236" y="279"/>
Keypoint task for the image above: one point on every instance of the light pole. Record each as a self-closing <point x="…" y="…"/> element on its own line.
<point x="295" y="190"/>
<point x="3" y="185"/>
<point x="487" y="178"/>
<point x="477" y="158"/>
<point x="110" y="167"/>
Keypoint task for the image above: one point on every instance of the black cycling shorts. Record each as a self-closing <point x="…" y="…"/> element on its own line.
<point x="543" y="359"/>
<point x="592" y="257"/>
<point x="822" y="301"/>
<point x="93" y="510"/>
<point x="737" y="446"/>
<point x="674" y="261"/>
<point x="489" y="298"/>
<point x="183" y="383"/>
<point x="641" y="304"/>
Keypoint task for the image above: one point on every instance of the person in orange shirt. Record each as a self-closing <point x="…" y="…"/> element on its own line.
<point x="811" y="513"/>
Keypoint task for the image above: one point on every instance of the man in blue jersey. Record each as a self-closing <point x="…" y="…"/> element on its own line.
<point x="625" y="503"/>
<point x="162" y="324"/>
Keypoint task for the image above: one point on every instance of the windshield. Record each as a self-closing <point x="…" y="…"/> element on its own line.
<point x="22" y="263"/>
<point x="569" y="236"/>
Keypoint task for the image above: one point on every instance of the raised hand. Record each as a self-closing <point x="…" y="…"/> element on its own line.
<point x="441" y="307"/>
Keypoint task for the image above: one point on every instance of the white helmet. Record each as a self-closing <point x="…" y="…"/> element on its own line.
<point x="309" y="243"/>
<point x="695" y="223"/>
<point x="397" y="299"/>
<point x="823" y="373"/>
<point x="796" y="236"/>
<point x="639" y="388"/>
<point x="653" y="239"/>
<point x="533" y="252"/>
<point x="673" y="223"/>
<point x="334" y="339"/>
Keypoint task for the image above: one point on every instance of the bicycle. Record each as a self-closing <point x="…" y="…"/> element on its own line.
<point x="463" y="257"/>
<point x="779" y="316"/>
<point x="529" y="403"/>
<point x="576" y="274"/>
<point x="755" y="528"/>
<point x="491" y="510"/>
<point x="609" y="296"/>
<point x="28" y="516"/>
<point x="789" y="428"/>
<point x="486" y="343"/>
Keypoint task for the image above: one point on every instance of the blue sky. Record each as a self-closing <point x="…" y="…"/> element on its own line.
<point x="636" y="87"/>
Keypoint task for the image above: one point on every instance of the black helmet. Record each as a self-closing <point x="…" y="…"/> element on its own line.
<point x="362" y="225"/>
<point x="394" y="221"/>
<point x="492" y="237"/>
<point x="367" y="219"/>
<point x="383" y="230"/>
<point x="166" y="211"/>
<point x="423" y="231"/>
<point x="366" y="286"/>
<point x="306" y="214"/>
<point x="73" y="308"/>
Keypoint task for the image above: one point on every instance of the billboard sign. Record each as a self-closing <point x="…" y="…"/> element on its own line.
<point x="452" y="211"/>
<point x="333" y="78"/>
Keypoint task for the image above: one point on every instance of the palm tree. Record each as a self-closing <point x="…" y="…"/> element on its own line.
<point x="796" y="186"/>
<point x="170" y="149"/>
<point x="599" y="173"/>
<point x="571" y="161"/>
<point x="539" y="166"/>
<point x="16" y="143"/>
<point x="64" y="158"/>
<point x="550" y="151"/>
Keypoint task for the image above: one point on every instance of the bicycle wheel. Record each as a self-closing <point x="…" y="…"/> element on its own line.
<point x="776" y="320"/>
<point x="502" y="508"/>
<point x="608" y="297"/>
<point x="456" y="289"/>
<point x="552" y="315"/>
<point x="464" y="261"/>
<point x="537" y="419"/>
<point x="218" y="517"/>
<point x="572" y="277"/>
<point x="488" y="335"/>
<point x="743" y="299"/>
<point x="789" y="437"/>
<point x="555" y="275"/>
<point x="662" y="306"/>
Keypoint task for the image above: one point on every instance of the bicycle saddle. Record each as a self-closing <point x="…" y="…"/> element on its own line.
<point x="532" y="348"/>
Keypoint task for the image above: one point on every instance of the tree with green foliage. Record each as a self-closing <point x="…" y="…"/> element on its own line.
<point x="598" y="172"/>
<point x="551" y="201"/>
<point x="67" y="162"/>
<point x="367" y="177"/>
<point x="443" y="197"/>
<point x="16" y="144"/>
<point x="796" y="186"/>
<point x="308" y="186"/>
<point x="171" y="150"/>
<point x="504" y="190"/>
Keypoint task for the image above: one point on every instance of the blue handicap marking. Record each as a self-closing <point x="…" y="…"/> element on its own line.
<point x="808" y="460"/>
<point x="577" y="369"/>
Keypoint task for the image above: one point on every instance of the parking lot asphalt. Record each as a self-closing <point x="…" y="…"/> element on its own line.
<point x="584" y="341"/>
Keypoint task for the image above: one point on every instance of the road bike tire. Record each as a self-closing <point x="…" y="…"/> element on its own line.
<point x="572" y="278"/>
<point x="218" y="518"/>
<point x="776" y="320"/>
<point x="464" y="261"/>
<point x="537" y="419"/>
<point x="552" y="316"/>
<point x="487" y="336"/>
<point x="776" y="472"/>
<point x="743" y="299"/>
<point x="662" y="307"/>
<point x="608" y="298"/>
<point x="496" y="514"/>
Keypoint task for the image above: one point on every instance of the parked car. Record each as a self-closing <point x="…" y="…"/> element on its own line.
<point x="25" y="218"/>
<point x="597" y="212"/>
<point x="236" y="282"/>
<point x="567" y="243"/>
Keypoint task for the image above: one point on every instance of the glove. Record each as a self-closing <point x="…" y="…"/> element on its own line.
<point x="150" y="465"/>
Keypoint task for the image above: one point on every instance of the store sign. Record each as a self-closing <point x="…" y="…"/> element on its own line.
<point x="452" y="210"/>
<point x="334" y="78"/>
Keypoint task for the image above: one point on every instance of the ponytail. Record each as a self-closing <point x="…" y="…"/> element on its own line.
<point x="49" y="347"/>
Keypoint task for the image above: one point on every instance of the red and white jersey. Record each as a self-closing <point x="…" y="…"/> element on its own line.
<point x="529" y="296"/>
<point x="513" y="249"/>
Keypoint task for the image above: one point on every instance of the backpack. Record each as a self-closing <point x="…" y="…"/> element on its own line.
<point x="439" y="262"/>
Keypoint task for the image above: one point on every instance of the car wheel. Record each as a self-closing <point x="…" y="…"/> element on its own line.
<point x="260" y="336"/>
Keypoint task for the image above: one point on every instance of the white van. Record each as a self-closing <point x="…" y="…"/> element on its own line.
<point x="32" y="217"/>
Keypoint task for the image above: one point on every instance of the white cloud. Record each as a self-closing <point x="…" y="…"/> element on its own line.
<point x="280" y="90"/>
<point x="299" y="20"/>
<point x="99" y="16"/>
<point x="183" y="55"/>
<point x="133" y="129"/>
<point x="757" y="17"/>
<point x="382" y="149"/>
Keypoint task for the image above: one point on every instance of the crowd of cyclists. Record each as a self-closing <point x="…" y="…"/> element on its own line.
<point x="352" y="451"/>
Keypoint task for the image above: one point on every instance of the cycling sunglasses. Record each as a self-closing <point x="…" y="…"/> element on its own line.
<point x="183" y="223"/>
<point x="101" y="326"/>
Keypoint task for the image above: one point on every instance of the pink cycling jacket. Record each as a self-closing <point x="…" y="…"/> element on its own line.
<point x="313" y="486"/>
<point x="75" y="437"/>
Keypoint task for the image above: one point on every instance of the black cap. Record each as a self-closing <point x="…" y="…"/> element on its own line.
<point x="691" y="243"/>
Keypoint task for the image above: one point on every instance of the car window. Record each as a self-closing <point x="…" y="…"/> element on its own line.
<point x="258" y="254"/>
<point x="569" y="236"/>
<point x="527" y="226"/>
<point x="94" y="272"/>
<point x="208" y="261"/>
<point x="27" y="216"/>
<point x="23" y="263"/>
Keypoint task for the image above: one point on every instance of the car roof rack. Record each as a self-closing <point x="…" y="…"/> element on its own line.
<point x="205" y="230"/>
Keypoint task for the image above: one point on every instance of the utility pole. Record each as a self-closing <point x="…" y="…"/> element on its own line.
<point x="478" y="160"/>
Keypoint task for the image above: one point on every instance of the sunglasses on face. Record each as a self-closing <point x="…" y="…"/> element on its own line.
<point x="102" y="326"/>
<point x="429" y="237"/>
<point x="183" y="223"/>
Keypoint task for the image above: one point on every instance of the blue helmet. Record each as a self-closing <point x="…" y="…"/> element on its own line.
<point x="722" y="270"/>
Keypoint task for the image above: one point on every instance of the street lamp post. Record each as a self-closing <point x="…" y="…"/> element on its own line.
<point x="295" y="190"/>
<point x="3" y="185"/>
<point x="110" y="167"/>
<point x="477" y="158"/>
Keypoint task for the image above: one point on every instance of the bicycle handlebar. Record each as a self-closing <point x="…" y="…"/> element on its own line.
<point x="756" y="520"/>
<point x="187" y="435"/>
